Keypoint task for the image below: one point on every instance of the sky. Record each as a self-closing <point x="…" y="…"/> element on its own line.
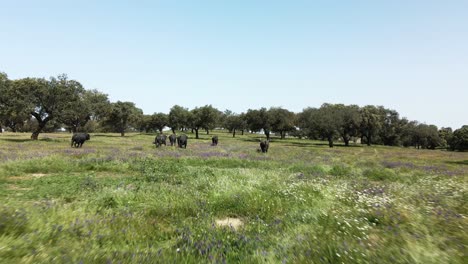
<point x="410" y="56"/>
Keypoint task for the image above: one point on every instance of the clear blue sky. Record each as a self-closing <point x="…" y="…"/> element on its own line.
<point x="411" y="56"/>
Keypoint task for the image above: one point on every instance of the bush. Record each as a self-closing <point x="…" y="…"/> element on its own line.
<point x="459" y="140"/>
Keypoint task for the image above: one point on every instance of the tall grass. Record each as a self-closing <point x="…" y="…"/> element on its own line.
<point x="122" y="200"/>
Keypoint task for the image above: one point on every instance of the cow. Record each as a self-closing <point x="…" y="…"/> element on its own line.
<point x="172" y="139"/>
<point x="182" y="141"/>
<point x="264" y="145"/>
<point x="160" y="140"/>
<point x="214" y="141"/>
<point x="78" y="139"/>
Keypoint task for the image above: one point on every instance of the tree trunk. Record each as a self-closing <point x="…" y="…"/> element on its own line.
<point x="40" y="126"/>
<point x="242" y="132"/>
<point x="346" y="140"/>
<point x="38" y="130"/>
<point x="267" y="134"/>
<point x="207" y="131"/>
<point x="1" y="129"/>
<point x="368" y="140"/>
<point x="122" y="132"/>
<point x="330" y="141"/>
<point x="283" y="134"/>
<point x="13" y="129"/>
<point x="192" y="131"/>
<point x="233" y="133"/>
<point x="196" y="132"/>
<point x="160" y="131"/>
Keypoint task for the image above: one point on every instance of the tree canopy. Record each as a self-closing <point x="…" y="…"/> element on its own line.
<point x="122" y="116"/>
<point x="40" y="105"/>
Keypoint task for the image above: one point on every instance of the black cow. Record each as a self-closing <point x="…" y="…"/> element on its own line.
<point x="182" y="141"/>
<point x="172" y="139"/>
<point x="264" y="145"/>
<point x="78" y="139"/>
<point x="160" y="140"/>
<point x="214" y="141"/>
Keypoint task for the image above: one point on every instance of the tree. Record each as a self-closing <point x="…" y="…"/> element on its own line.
<point x="305" y="123"/>
<point x="420" y="135"/>
<point x="281" y="120"/>
<point x="391" y="129"/>
<point x="459" y="139"/>
<point x="4" y="88"/>
<point x="195" y="120"/>
<point x="13" y="110"/>
<point x="99" y="104"/>
<point x="122" y="115"/>
<point x="234" y="122"/>
<point x="347" y="121"/>
<point x="48" y="100"/>
<point x="99" y="107"/>
<point x="211" y="117"/>
<point x="144" y="123"/>
<point x="203" y="117"/>
<point x="158" y="121"/>
<point x="327" y="122"/>
<point x="407" y="132"/>
<point x="445" y="134"/>
<point x="178" y="118"/>
<point x="259" y="120"/>
<point x="78" y="111"/>
<point x="321" y="122"/>
<point x="371" y="121"/>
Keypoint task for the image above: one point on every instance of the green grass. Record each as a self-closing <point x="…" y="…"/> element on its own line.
<point x="122" y="200"/>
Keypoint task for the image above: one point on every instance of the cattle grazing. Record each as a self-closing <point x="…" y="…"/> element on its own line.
<point x="160" y="140"/>
<point x="214" y="141"/>
<point x="182" y="141"/>
<point x="264" y="145"/>
<point x="78" y="139"/>
<point x="172" y="139"/>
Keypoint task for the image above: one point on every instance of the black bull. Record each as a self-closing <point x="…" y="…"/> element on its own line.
<point x="182" y="141"/>
<point x="78" y="139"/>
<point x="160" y="140"/>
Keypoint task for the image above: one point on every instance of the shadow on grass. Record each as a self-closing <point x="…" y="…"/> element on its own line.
<point x="252" y="139"/>
<point x="458" y="162"/>
<point x="117" y="135"/>
<point x="16" y="139"/>
<point x="319" y="144"/>
<point x="21" y="140"/>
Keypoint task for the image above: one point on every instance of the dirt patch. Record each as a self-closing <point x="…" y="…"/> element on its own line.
<point x="28" y="177"/>
<point x="234" y="223"/>
<point x="13" y="187"/>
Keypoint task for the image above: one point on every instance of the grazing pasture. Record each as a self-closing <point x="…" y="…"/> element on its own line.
<point x="121" y="200"/>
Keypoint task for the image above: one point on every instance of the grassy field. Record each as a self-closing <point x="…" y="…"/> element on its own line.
<point x="121" y="200"/>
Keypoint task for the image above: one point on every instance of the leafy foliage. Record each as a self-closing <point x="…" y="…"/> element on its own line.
<point x="459" y="139"/>
<point x="258" y="120"/>
<point x="205" y="117"/>
<point x="122" y="116"/>
<point x="234" y="122"/>
<point x="178" y="118"/>
<point x="281" y="120"/>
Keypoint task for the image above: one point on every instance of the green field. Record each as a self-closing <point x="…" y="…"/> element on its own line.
<point x="121" y="200"/>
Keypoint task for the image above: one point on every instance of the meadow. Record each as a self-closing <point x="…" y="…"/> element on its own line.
<point x="121" y="200"/>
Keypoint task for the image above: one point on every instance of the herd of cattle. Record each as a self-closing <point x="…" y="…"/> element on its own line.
<point x="79" y="138"/>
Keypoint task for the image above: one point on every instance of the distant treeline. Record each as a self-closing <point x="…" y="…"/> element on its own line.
<point x="39" y="105"/>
